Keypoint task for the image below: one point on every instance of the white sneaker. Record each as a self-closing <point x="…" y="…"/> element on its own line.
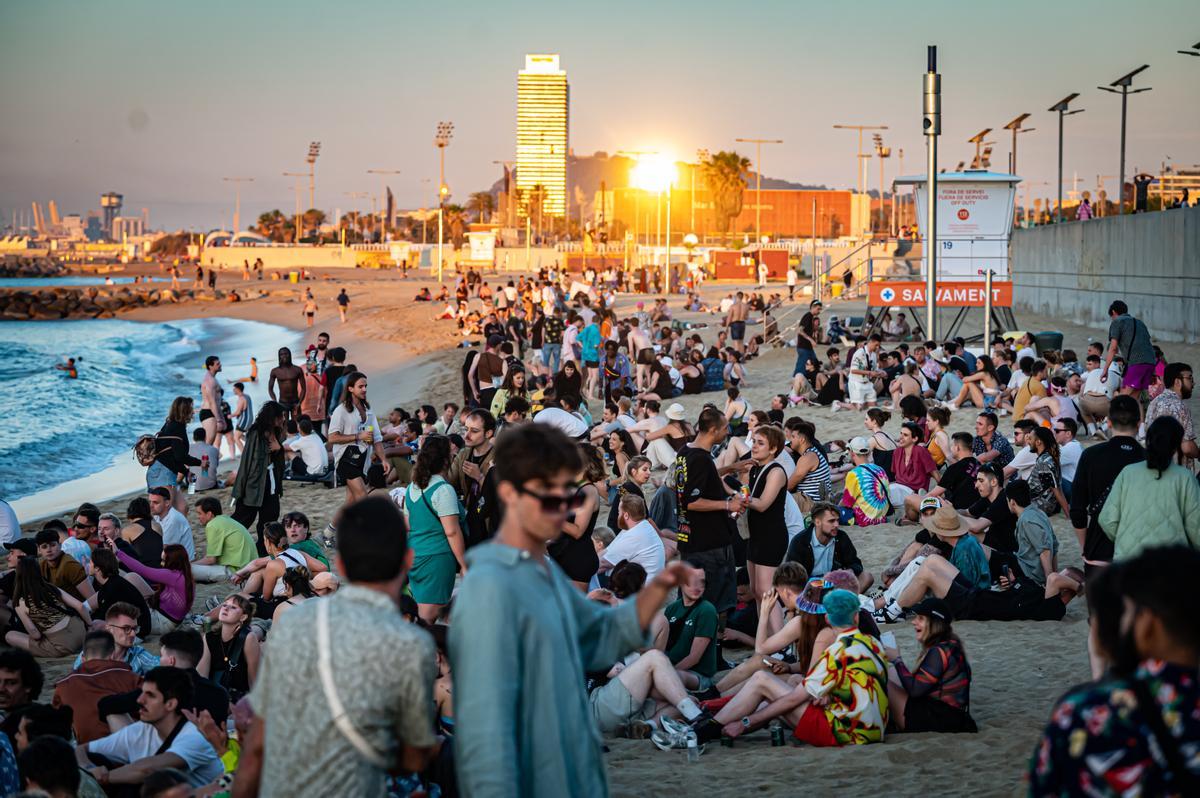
<point x="667" y="741"/>
<point x="835" y="407"/>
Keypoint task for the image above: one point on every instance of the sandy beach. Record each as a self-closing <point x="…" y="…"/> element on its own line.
<point x="1019" y="668"/>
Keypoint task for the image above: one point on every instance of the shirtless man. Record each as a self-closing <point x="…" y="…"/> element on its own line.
<point x="210" y="399"/>
<point x="735" y="320"/>
<point x="291" y="383"/>
<point x="642" y="348"/>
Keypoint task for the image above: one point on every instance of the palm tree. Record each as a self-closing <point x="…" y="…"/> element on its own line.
<point x="534" y="202"/>
<point x="312" y="219"/>
<point x="483" y="203"/>
<point x="273" y="225"/>
<point x="725" y="174"/>
<point x="456" y="221"/>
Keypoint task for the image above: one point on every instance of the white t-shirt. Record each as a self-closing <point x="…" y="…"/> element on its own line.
<point x="639" y="544"/>
<point x="1026" y="352"/>
<point x="140" y="740"/>
<point x="312" y="451"/>
<point x="791" y="277"/>
<point x="1068" y="459"/>
<point x="348" y="422"/>
<point x="1017" y="379"/>
<point x="444" y="502"/>
<point x="1092" y="384"/>
<point x="571" y="424"/>
<point x="176" y="529"/>
<point x="1023" y="462"/>
<point x="10" y="527"/>
<point x="861" y="360"/>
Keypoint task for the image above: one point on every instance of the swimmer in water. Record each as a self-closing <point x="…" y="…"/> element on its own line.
<point x="68" y="367"/>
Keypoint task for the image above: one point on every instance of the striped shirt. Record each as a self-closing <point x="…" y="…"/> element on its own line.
<point x="816" y="484"/>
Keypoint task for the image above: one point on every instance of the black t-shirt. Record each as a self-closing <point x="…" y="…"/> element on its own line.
<point x="1002" y="534"/>
<point x="516" y="328"/>
<point x="696" y="477"/>
<point x="148" y="546"/>
<point x="535" y="332"/>
<point x="959" y="483"/>
<point x="808" y="329"/>
<point x="776" y="416"/>
<point x="206" y="694"/>
<point x="493" y="328"/>
<point x="1098" y="469"/>
<point x="1003" y="374"/>
<point x="959" y="365"/>
<point x="628" y="488"/>
<point x="120" y="589"/>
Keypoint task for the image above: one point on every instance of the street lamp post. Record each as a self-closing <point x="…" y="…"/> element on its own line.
<point x="1015" y="127"/>
<point x="314" y="149"/>
<point x="883" y="152"/>
<point x="758" y="182"/>
<point x="1121" y="86"/>
<point x="1061" y="108"/>
<point x="383" y="173"/>
<point x="860" y="178"/>
<point x="1194" y="51"/>
<point x="237" y="203"/>
<point x="297" y="175"/>
<point x="445" y="131"/>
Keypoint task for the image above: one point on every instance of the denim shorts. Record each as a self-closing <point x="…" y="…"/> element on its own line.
<point x="159" y="476"/>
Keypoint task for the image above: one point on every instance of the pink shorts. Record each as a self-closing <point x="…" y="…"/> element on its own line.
<point x="1138" y="376"/>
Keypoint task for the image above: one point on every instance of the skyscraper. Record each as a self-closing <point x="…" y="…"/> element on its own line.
<point x="543" y="101"/>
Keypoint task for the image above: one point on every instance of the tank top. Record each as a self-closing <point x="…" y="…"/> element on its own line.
<point x="816" y="484"/>
<point x="290" y="559"/>
<point x="235" y="679"/>
<point x="246" y="417"/>
<point x="772" y="517"/>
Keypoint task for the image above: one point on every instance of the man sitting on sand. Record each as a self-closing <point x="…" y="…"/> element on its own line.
<point x="823" y="547"/>
<point x="228" y="545"/>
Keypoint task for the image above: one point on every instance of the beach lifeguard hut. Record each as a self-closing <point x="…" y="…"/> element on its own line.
<point x="974" y="228"/>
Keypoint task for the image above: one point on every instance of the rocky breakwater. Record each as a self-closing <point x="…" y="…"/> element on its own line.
<point x="25" y="266"/>
<point x="103" y="303"/>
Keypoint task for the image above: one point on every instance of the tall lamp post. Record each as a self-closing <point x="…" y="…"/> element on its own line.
<point x="978" y="141"/>
<point x="383" y="173"/>
<point x="1121" y="86"/>
<point x="445" y="131"/>
<point x="883" y="152"/>
<point x="297" y="175"/>
<point x="314" y="149"/>
<point x="758" y="182"/>
<point x="1015" y="127"/>
<point x="1194" y="51"/>
<point x="1061" y="108"/>
<point x="237" y="203"/>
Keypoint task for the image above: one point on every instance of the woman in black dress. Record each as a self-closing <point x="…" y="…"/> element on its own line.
<point x="573" y="551"/>
<point x="768" y="491"/>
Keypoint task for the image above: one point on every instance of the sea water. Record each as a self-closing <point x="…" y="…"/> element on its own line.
<point x="54" y="282"/>
<point x="65" y="440"/>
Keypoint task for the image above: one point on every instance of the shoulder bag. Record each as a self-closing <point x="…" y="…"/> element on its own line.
<point x="336" y="708"/>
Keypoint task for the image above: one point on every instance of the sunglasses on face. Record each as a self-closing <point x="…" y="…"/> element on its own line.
<point x="553" y="503"/>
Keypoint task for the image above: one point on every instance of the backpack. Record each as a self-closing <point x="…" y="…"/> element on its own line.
<point x="146" y="450"/>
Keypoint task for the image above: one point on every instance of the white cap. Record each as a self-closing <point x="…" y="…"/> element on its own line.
<point x="859" y="445"/>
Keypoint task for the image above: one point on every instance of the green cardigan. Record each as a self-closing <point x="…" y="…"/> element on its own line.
<point x="1144" y="510"/>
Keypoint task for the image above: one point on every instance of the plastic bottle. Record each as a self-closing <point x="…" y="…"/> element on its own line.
<point x="745" y="494"/>
<point x="204" y="466"/>
<point x="693" y="747"/>
<point x="191" y="484"/>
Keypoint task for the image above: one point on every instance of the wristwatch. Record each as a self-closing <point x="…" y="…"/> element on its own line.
<point x="746" y="722"/>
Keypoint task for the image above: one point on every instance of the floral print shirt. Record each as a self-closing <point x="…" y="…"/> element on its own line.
<point x="853" y="675"/>
<point x="1098" y="742"/>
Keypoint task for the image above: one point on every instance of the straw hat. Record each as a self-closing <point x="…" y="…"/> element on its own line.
<point x="945" y="523"/>
<point x="675" y="412"/>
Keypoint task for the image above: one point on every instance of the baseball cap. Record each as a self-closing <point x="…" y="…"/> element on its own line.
<point x="495" y="340"/>
<point x="930" y="503"/>
<point x="932" y="607"/>
<point x="859" y="445"/>
<point x="24" y="545"/>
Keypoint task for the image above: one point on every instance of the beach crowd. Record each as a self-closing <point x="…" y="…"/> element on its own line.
<point x="562" y="553"/>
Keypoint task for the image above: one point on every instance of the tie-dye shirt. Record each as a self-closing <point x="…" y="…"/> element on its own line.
<point x="853" y="675"/>
<point x="867" y="493"/>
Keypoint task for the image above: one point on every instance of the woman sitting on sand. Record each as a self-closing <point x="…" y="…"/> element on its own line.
<point x="936" y="697"/>
<point x="231" y="651"/>
<point x="513" y="385"/>
<point x="906" y="384"/>
<point x="143" y="533"/>
<point x="882" y="444"/>
<point x="297" y="588"/>
<point x="55" y="622"/>
<point x="176" y="587"/>
<point x="262" y="578"/>
<point x="938" y="440"/>
<point x="981" y="388"/>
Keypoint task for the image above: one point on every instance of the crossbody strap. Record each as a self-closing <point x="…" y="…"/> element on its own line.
<point x="336" y="708"/>
<point x="166" y="744"/>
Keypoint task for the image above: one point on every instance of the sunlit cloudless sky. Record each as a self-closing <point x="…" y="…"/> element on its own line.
<point x="160" y="100"/>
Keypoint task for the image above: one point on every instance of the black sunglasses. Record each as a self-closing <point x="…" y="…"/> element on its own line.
<point x="552" y="503"/>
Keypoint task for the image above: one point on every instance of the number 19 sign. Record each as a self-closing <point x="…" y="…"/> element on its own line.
<point x="888" y="293"/>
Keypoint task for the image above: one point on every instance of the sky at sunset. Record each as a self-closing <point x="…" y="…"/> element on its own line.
<point x="159" y="100"/>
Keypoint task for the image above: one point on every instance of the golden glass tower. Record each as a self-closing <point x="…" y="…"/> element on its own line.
<point x="543" y="101"/>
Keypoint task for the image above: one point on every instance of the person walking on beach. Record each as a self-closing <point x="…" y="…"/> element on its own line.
<point x="291" y="381"/>
<point x="522" y="718"/>
<point x="310" y="309"/>
<point x="343" y="301"/>
<point x="1131" y="339"/>
<point x="735" y="322"/>
<point x="259" y="481"/>
<point x="210" y="399"/>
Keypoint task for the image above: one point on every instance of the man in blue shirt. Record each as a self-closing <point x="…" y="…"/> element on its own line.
<point x="522" y="637"/>
<point x="989" y="445"/>
<point x="589" y="350"/>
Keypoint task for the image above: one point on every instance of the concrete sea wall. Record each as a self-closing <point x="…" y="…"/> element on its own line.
<point x="1149" y="260"/>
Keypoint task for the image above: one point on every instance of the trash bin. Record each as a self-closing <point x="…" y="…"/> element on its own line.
<point x="836" y="289"/>
<point x="294" y="277"/>
<point x="1045" y="341"/>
